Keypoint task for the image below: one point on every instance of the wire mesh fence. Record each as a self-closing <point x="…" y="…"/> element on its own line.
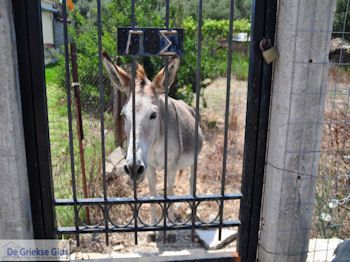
<point x="331" y="213"/>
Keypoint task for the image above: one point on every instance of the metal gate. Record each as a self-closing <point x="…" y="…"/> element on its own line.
<point x="27" y="16"/>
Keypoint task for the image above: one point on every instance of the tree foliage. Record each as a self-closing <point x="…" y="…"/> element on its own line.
<point x="216" y="9"/>
<point x="149" y="13"/>
<point x="341" y="19"/>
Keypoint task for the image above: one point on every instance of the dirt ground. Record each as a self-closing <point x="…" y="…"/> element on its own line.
<point x="208" y="178"/>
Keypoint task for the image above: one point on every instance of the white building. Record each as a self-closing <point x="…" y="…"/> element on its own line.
<point x="52" y="27"/>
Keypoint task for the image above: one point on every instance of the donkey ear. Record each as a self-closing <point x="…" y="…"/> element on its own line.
<point x="158" y="81"/>
<point x="119" y="78"/>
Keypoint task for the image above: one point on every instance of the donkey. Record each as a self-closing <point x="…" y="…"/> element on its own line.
<point x="150" y="126"/>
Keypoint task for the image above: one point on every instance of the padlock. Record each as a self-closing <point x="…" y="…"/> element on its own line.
<point x="269" y="52"/>
<point x="270" y="55"/>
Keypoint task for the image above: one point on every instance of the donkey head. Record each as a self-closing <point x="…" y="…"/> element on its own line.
<point x="148" y="116"/>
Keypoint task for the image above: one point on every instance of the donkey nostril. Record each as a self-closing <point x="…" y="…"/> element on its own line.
<point x="126" y="169"/>
<point x="140" y="170"/>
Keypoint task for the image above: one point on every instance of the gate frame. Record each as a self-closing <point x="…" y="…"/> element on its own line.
<point x="31" y="71"/>
<point x="263" y="24"/>
<point x="27" y="18"/>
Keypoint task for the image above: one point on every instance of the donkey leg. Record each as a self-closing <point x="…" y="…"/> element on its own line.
<point x="191" y="177"/>
<point x="170" y="191"/>
<point x="152" y="183"/>
<point x="171" y="235"/>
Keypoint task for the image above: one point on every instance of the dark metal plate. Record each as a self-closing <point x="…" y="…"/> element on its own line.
<point x="150" y="41"/>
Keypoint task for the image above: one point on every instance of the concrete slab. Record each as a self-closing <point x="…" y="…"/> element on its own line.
<point x="88" y="256"/>
<point x="322" y="249"/>
<point x="182" y="255"/>
<point x="125" y="255"/>
<point x="210" y="237"/>
<point x="15" y="208"/>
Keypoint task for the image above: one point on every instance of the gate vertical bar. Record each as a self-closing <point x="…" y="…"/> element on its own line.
<point x="166" y="112"/>
<point x="70" y="128"/>
<point x="258" y="106"/>
<point x="133" y="77"/>
<point x="102" y="109"/>
<point x="198" y="89"/>
<point x="227" y="112"/>
<point x="31" y="69"/>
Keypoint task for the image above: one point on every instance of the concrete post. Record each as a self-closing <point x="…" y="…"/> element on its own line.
<point x="300" y="79"/>
<point x="15" y="214"/>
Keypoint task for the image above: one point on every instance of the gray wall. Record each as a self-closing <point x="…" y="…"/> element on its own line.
<point x="58" y="34"/>
<point x="15" y="214"/>
<point x="300" y="81"/>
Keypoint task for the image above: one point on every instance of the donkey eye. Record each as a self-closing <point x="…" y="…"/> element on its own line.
<point x="153" y="115"/>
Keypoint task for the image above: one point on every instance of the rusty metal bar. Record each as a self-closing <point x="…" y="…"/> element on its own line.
<point x="80" y="133"/>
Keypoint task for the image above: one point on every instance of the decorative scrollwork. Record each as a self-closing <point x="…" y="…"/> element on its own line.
<point x="120" y="215"/>
<point x="205" y="217"/>
<point x="144" y="214"/>
<point x="96" y="216"/>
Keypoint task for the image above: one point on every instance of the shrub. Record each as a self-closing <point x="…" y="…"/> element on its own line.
<point x="114" y="14"/>
<point x="214" y="57"/>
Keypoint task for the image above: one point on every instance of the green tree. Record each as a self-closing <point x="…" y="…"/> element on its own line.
<point x="341" y="19"/>
<point x="116" y="13"/>
<point x="216" y="9"/>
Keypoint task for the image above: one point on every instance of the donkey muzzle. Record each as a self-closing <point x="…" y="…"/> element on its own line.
<point x="137" y="171"/>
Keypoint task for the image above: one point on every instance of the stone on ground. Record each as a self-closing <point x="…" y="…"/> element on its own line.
<point x="210" y="237"/>
<point x="87" y="256"/>
<point x="114" y="160"/>
<point x="118" y="247"/>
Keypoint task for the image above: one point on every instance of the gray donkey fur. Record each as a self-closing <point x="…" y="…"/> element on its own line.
<point x="150" y="126"/>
